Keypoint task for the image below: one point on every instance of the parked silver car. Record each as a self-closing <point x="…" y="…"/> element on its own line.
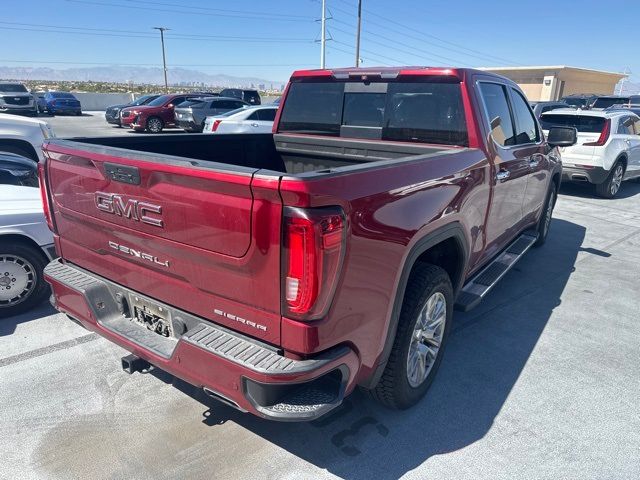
<point x="190" y="115"/>
<point x="15" y="98"/>
<point x="257" y="119"/>
<point x="26" y="246"/>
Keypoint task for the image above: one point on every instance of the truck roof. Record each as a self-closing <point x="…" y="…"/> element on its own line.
<point x="392" y="72"/>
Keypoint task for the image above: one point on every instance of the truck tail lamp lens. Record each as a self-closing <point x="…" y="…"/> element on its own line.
<point x="215" y="125"/>
<point x="44" y="194"/>
<point x="313" y="248"/>
<point x="604" y="135"/>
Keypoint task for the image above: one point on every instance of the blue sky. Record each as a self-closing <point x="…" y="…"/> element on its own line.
<point x="269" y="39"/>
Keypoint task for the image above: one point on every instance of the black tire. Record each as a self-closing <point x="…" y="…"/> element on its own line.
<point x="154" y="125"/>
<point x="611" y="186"/>
<point x="545" y="219"/>
<point x="32" y="261"/>
<point x="394" y="389"/>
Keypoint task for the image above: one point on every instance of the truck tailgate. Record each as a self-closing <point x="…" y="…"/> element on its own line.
<point x="195" y="237"/>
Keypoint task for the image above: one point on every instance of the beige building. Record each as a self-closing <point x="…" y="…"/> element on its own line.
<point x="552" y="83"/>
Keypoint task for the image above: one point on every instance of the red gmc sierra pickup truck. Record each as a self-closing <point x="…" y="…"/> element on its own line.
<point x="280" y="271"/>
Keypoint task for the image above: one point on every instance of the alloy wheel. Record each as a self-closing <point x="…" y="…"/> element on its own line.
<point x="154" y="125"/>
<point x="616" y="181"/>
<point x="426" y="339"/>
<point x="17" y="279"/>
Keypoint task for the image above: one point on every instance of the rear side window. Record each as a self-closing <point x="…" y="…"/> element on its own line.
<point x="428" y="112"/>
<point x="267" y="114"/>
<point x="625" y="126"/>
<point x="582" y="123"/>
<point x="526" y="126"/>
<point x="498" y="113"/>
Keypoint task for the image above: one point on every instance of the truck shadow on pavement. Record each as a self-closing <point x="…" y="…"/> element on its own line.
<point x="486" y="354"/>
<point x="8" y="325"/>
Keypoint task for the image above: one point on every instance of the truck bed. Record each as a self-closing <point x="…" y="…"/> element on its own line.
<point x="291" y="154"/>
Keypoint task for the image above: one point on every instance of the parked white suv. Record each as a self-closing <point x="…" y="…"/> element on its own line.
<point x="15" y="98"/>
<point x="607" y="151"/>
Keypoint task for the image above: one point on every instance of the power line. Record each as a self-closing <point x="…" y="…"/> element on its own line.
<point x="423" y="53"/>
<point x="53" y="62"/>
<point x="247" y="16"/>
<point x="459" y="48"/>
<point x="209" y="9"/>
<point x="211" y="38"/>
<point x="173" y="35"/>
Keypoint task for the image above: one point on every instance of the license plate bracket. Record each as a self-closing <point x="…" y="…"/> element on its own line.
<point x="151" y="316"/>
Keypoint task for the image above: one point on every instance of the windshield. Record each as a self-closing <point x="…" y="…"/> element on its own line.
<point x="13" y="87"/>
<point x="429" y="112"/>
<point x="606" y="102"/>
<point x="161" y="100"/>
<point x="582" y="123"/>
<point x="143" y="100"/>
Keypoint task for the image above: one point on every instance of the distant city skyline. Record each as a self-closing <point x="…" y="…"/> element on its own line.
<point x="268" y="40"/>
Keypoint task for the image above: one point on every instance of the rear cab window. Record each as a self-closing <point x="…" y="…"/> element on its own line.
<point x="426" y="111"/>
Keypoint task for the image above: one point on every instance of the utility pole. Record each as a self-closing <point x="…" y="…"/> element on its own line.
<point x="164" y="58"/>
<point x="358" y="33"/>
<point x="323" y="37"/>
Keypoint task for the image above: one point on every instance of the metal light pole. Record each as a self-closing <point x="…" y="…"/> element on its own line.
<point x="323" y="38"/>
<point x="358" y="33"/>
<point x="164" y="58"/>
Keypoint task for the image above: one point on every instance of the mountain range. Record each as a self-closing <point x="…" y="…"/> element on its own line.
<point x="138" y="75"/>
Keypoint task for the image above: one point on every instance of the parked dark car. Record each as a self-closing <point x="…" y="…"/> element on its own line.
<point x="18" y="170"/>
<point x="190" y="115"/>
<point x="580" y="100"/>
<point x="540" y="107"/>
<point x="62" y="102"/>
<point x="112" y="114"/>
<point x="606" y="101"/>
<point x="250" y="96"/>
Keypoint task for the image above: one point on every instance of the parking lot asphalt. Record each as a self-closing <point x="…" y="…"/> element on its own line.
<point x="539" y="382"/>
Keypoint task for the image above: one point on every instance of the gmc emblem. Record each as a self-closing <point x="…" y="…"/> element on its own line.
<point x="131" y="209"/>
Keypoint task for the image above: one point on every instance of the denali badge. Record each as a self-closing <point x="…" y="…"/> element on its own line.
<point x="138" y="254"/>
<point x="244" y="321"/>
<point x="131" y="209"/>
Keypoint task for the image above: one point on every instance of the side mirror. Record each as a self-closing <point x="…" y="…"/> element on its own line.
<point x="170" y="105"/>
<point x="562" y="136"/>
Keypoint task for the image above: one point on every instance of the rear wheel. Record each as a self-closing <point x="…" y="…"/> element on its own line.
<point x="611" y="186"/>
<point x="154" y="125"/>
<point x="423" y="329"/>
<point x="545" y="219"/>
<point x="22" y="284"/>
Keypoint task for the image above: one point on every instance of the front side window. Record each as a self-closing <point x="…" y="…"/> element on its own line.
<point x="526" y="125"/>
<point x="498" y="113"/>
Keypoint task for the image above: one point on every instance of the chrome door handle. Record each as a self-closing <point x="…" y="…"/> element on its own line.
<point x="534" y="160"/>
<point x="502" y="175"/>
<point x="255" y="125"/>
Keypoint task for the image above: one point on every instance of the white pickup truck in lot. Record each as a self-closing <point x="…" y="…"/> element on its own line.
<point x="607" y="151"/>
<point x="23" y="136"/>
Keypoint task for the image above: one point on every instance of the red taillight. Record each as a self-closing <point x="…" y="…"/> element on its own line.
<point x="312" y="255"/>
<point x="604" y="135"/>
<point x="216" y="124"/>
<point x="44" y="194"/>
